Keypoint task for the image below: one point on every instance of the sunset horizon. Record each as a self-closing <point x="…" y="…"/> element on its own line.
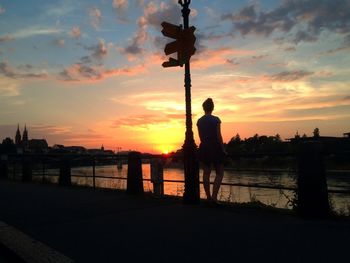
<point x="88" y="73"/>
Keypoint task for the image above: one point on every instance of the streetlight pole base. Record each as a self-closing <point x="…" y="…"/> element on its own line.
<point x="191" y="170"/>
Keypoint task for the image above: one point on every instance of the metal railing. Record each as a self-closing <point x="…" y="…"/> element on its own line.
<point x="54" y="160"/>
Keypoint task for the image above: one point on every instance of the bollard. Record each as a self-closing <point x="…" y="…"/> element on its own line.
<point x="4" y="166"/>
<point x="26" y="169"/>
<point x="120" y="165"/>
<point x="311" y="181"/>
<point x="94" y="172"/>
<point x="157" y="177"/>
<point x="134" y="179"/>
<point x="65" y="172"/>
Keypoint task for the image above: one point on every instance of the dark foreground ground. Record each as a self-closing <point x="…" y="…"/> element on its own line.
<point x="110" y="226"/>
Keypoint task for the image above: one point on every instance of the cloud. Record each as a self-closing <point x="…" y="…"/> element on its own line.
<point x="290" y="49"/>
<point x="6" y="38"/>
<point x="287" y="76"/>
<point x="80" y="71"/>
<point x="336" y="50"/>
<point x="36" y="31"/>
<point x="8" y="71"/>
<point x="148" y="121"/>
<point x="121" y="7"/>
<point x="214" y="57"/>
<point x="100" y="50"/>
<point x="75" y="32"/>
<point x="25" y="67"/>
<point x="305" y="20"/>
<point x="246" y="60"/>
<point x="135" y="46"/>
<point x="153" y="16"/>
<point x="140" y="121"/>
<point x="8" y="88"/>
<point x="95" y="17"/>
<point x="212" y="36"/>
<point x="83" y="72"/>
<point x="59" y="42"/>
<point x="232" y="62"/>
<point x="50" y="129"/>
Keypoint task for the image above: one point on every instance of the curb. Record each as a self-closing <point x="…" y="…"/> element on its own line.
<point x="19" y="247"/>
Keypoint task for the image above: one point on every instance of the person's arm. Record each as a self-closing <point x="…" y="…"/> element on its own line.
<point x="199" y="132"/>
<point x="218" y="130"/>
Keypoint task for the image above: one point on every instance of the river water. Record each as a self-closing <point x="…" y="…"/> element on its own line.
<point x="237" y="194"/>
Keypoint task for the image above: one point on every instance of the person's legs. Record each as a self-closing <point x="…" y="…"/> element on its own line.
<point x="219" y="169"/>
<point x="206" y="180"/>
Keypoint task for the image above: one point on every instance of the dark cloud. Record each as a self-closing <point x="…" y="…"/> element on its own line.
<point x="7" y="71"/>
<point x="6" y="38"/>
<point x="202" y="37"/>
<point x="97" y="53"/>
<point x="80" y="71"/>
<point x="25" y="67"/>
<point x="153" y="17"/>
<point x="247" y="60"/>
<point x="259" y="57"/>
<point x="304" y="36"/>
<point x="133" y="48"/>
<point x="336" y="50"/>
<point x="86" y="60"/>
<point x="100" y="50"/>
<point x="303" y="19"/>
<point x="288" y="76"/>
<point x="232" y="62"/>
<point x="86" y="72"/>
<point x="290" y="49"/>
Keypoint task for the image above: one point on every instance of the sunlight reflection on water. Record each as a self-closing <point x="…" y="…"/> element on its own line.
<point x="238" y="194"/>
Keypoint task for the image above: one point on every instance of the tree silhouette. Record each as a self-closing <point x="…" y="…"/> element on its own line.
<point x="316" y="132"/>
<point x="8" y="146"/>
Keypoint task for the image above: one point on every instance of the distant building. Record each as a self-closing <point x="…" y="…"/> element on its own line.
<point x="25" y="137"/>
<point x="37" y="146"/>
<point x="100" y="151"/>
<point x="75" y="149"/>
<point x="347" y="135"/>
<point x="23" y="144"/>
<point x="18" y="137"/>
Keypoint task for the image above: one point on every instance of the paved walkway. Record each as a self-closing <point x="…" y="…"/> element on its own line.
<point x="109" y="226"/>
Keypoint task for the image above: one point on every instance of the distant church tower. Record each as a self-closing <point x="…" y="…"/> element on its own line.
<point x="18" y="138"/>
<point x="25" y="137"/>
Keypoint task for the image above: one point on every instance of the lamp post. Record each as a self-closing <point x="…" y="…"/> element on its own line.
<point x="191" y="167"/>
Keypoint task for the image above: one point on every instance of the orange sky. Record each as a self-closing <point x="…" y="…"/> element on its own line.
<point x="87" y="73"/>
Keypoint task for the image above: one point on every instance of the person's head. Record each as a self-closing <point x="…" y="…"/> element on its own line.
<point x="208" y="105"/>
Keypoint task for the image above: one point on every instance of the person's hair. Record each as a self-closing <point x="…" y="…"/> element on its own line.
<point x="208" y="105"/>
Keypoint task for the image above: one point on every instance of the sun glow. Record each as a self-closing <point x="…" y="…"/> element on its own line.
<point x="166" y="140"/>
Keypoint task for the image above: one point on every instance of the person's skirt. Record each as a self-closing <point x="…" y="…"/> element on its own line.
<point x="211" y="153"/>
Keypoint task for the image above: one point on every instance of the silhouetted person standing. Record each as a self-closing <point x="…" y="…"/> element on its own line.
<point x="211" y="149"/>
